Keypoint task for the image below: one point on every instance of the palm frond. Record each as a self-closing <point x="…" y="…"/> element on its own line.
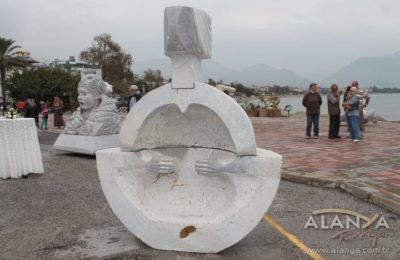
<point x="13" y="48"/>
<point x="5" y="45"/>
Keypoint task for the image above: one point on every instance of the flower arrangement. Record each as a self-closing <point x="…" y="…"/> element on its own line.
<point x="12" y="114"/>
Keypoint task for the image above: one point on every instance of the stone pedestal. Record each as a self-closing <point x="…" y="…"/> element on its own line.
<point x="85" y="144"/>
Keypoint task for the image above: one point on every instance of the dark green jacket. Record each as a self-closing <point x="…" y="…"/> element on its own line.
<point x="312" y="101"/>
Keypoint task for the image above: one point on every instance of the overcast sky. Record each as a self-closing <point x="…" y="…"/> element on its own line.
<point x="312" y="37"/>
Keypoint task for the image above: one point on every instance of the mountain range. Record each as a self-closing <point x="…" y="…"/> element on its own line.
<point x="259" y="74"/>
<point x="383" y="71"/>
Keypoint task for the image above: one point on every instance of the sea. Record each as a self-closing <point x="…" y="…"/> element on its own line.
<point x="386" y="106"/>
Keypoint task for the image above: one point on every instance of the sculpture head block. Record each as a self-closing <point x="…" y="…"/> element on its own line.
<point x="187" y="31"/>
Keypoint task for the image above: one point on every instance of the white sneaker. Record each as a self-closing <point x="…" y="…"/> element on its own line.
<point x="349" y="140"/>
<point x="356" y="141"/>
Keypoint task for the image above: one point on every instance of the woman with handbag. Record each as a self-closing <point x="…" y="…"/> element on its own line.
<point x="58" y="112"/>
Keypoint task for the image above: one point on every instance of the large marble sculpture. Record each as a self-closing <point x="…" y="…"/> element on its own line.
<point x="95" y="124"/>
<point x="188" y="175"/>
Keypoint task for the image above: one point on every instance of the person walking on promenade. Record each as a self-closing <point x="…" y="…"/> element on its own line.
<point x="45" y="115"/>
<point x="352" y="105"/>
<point x="32" y="111"/>
<point x="312" y="101"/>
<point x="364" y="99"/>
<point x="58" y="112"/>
<point x="334" y="111"/>
<point x="134" y="96"/>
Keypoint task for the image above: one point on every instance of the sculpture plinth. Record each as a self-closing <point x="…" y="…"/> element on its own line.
<point x="188" y="175"/>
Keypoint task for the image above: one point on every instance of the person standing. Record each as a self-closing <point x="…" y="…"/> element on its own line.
<point x="58" y="112"/>
<point x="312" y="101"/>
<point x="352" y="105"/>
<point x="21" y="106"/>
<point x="134" y="96"/>
<point x="334" y="111"/>
<point x="45" y="115"/>
<point x="32" y="111"/>
<point x="363" y="99"/>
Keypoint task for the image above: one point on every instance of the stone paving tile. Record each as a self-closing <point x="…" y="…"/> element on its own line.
<point x="369" y="167"/>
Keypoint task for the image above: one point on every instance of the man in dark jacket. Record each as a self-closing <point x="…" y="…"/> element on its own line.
<point x="32" y="111"/>
<point x="312" y="101"/>
<point x="334" y="111"/>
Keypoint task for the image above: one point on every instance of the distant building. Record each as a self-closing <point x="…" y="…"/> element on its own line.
<point x="227" y="89"/>
<point x="262" y="90"/>
<point x="73" y="66"/>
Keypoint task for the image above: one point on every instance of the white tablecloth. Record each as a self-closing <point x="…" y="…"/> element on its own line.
<point x="19" y="148"/>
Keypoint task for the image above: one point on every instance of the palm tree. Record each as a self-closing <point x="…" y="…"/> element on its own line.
<point x="9" y="61"/>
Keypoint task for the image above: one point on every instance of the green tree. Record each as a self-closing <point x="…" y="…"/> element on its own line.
<point x="9" y="61"/>
<point x="240" y="88"/>
<point x="153" y="77"/>
<point x="113" y="61"/>
<point x="43" y="84"/>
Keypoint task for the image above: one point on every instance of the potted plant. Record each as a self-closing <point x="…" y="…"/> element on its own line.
<point x="250" y="109"/>
<point x="275" y="111"/>
<point x="263" y="112"/>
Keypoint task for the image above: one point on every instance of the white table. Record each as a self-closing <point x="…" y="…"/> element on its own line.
<point x="19" y="148"/>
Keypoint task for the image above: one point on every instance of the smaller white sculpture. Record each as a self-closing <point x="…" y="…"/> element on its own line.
<point x="95" y="125"/>
<point x="97" y="114"/>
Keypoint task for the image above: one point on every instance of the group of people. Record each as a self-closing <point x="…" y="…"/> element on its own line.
<point x="31" y="109"/>
<point x="353" y="103"/>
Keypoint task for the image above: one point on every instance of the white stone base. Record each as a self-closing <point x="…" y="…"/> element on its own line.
<point x="85" y="144"/>
<point x="185" y="211"/>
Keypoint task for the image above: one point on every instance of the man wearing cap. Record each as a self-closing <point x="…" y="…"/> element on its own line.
<point x="134" y="96"/>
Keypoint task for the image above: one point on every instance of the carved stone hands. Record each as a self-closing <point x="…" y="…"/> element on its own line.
<point x="161" y="165"/>
<point x="209" y="167"/>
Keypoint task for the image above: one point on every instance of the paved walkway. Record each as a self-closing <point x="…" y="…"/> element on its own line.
<point x="369" y="170"/>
